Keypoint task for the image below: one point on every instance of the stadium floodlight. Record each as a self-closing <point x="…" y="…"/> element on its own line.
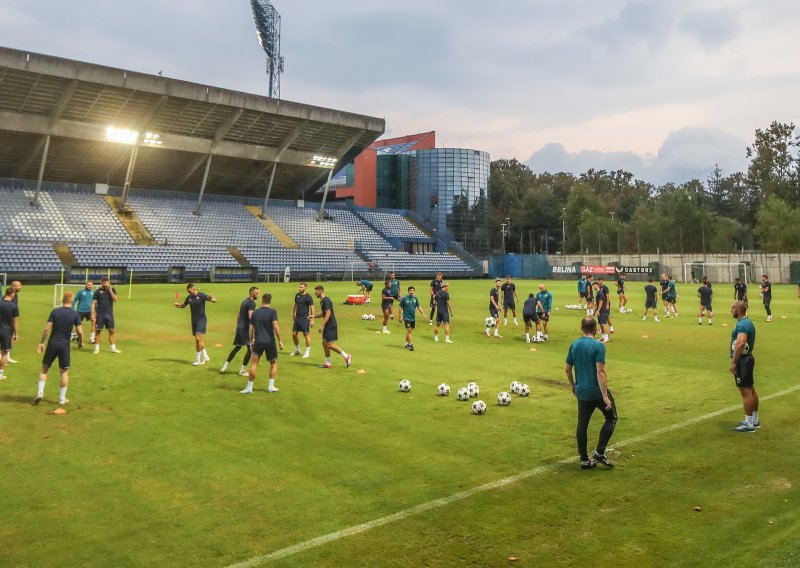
<point x="268" y="28"/>
<point x="326" y="162"/>
<point x="122" y="135"/>
<point x="152" y="139"/>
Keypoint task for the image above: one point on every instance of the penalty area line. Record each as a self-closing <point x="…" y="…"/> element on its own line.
<point x="462" y="495"/>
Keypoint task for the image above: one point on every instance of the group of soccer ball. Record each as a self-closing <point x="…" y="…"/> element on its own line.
<point x="367" y="316"/>
<point x="472" y="390"/>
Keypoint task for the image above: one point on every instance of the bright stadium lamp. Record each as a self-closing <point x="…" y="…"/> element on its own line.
<point x="122" y="135"/>
<point x="326" y="162"/>
<point x="152" y="139"/>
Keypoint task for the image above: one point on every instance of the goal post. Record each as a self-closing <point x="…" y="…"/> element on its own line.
<point x="717" y="271"/>
<point x="59" y="289"/>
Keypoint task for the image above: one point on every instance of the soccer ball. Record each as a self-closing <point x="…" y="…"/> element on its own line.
<point x="371" y="317"/>
<point x="630" y="311"/>
<point x="503" y="399"/>
<point x="443" y="390"/>
<point x="364" y="317"/>
<point x="490" y="322"/>
<point x="473" y="390"/>
<point x="463" y="394"/>
<point x="524" y="390"/>
<point x="515" y="387"/>
<point x="405" y="385"/>
<point x="479" y="407"/>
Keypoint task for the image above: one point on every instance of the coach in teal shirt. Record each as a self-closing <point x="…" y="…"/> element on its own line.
<point x="83" y="299"/>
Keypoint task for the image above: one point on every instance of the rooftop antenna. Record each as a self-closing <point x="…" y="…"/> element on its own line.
<point x="268" y="29"/>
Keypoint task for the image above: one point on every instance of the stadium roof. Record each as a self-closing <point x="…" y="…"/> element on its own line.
<point x="75" y="102"/>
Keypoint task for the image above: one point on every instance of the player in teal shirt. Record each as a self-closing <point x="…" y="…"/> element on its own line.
<point x="743" y="340"/>
<point x="394" y="291"/>
<point x="587" y="358"/>
<point x="83" y="305"/>
<point x="409" y="305"/>
<point x="582" y="285"/>
<point x="545" y="298"/>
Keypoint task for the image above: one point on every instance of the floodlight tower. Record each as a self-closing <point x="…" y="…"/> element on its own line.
<point x="268" y="29"/>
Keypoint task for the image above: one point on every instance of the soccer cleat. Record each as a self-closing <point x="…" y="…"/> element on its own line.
<point x="755" y="424"/>
<point x="272" y="389"/>
<point x="246" y="391"/>
<point x="436" y="339"/>
<point x="710" y="322"/>
<point x="601" y="458"/>
<point x="224" y="367"/>
<point x="486" y="331"/>
<point x="349" y="357"/>
<point x="206" y="358"/>
<point x="410" y="347"/>
<point x="306" y="355"/>
<point x="658" y="320"/>
<point x="38" y="399"/>
<point x="244" y="373"/>
<point x="326" y="366"/>
<point x="498" y="336"/>
<point x="294" y="353"/>
<point x="699" y="323"/>
<point x="115" y="350"/>
<point x="449" y="341"/>
<point x="386" y="332"/>
<point x="196" y="362"/>
<point x="3" y="377"/>
<point x="96" y="351"/>
<point x="744" y="428"/>
<point x="588" y="464"/>
<point x="644" y="318"/>
<point x="63" y="401"/>
<point x="12" y="361"/>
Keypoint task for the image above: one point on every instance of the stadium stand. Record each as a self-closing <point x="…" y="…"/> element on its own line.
<point x="17" y="257"/>
<point x="422" y="263"/>
<point x="344" y="230"/>
<point x="59" y="216"/>
<point x="222" y="223"/>
<point x="305" y="261"/>
<point x="153" y="259"/>
<point x="393" y="224"/>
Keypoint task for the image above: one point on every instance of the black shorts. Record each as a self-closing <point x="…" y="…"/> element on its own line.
<point x="651" y="304"/>
<point x="85" y="316"/>
<point x="509" y="305"/>
<point x="671" y="299"/>
<point x="433" y="302"/>
<point x="241" y="338"/>
<point x="104" y="321"/>
<point x="602" y="318"/>
<point x="744" y="371"/>
<point x="56" y="350"/>
<point x="706" y="307"/>
<point x="368" y="287"/>
<point x="528" y="318"/>
<point x="621" y="292"/>
<point x="330" y="334"/>
<point x="544" y="316"/>
<point x="581" y="294"/>
<point x="270" y="350"/>
<point x="5" y="340"/>
<point x="493" y="312"/>
<point x="767" y="300"/>
<point x="442" y="316"/>
<point x="410" y="324"/>
<point x="198" y="326"/>
<point x="386" y="306"/>
<point x="301" y="325"/>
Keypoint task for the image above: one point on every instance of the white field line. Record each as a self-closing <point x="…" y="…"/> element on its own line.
<point x="461" y="495"/>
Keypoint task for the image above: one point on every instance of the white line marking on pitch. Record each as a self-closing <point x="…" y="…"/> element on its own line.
<point x="460" y="496"/>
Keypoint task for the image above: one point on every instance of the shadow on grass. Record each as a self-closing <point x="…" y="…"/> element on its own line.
<point x="18" y="398"/>
<point x="164" y="360"/>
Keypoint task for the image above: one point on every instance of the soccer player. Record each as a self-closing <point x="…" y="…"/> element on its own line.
<point x="83" y="305"/>
<point x="530" y="316"/>
<point x="366" y="289"/>
<point x="494" y="308"/>
<point x="17" y="286"/>
<point x="623" y="299"/>
<point x="394" y="288"/>
<point x="582" y="285"/>
<point x="509" y="300"/>
<point x="743" y="340"/>
<point x="672" y="296"/>
<point x="103" y="313"/>
<point x="329" y="329"/>
<point x="444" y="312"/>
<point x="589" y="384"/>
<point x="59" y="326"/>
<point x="409" y="306"/>
<point x="664" y="282"/>
<point x="706" y="295"/>
<point x="740" y="291"/>
<point x="9" y="327"/>
<point x="197" y="306"/>
<point x="766" y="295"/>
<point x="435" y="285"/>
<point x="387" y="299"/>
<point x="302" y="319"/>
<point x="545" y="306"/>
<point x="241" y="337"/>
<point x="607" y="294"/>
<point x="590" y="304"/>
<point x="263" y="331"/>
<point x="651" y="302"/>
<point x="603" y="310"/>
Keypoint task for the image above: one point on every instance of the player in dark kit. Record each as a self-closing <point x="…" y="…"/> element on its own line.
<point x="103" y="314"/>
<point x="494" y="308"/>
<point x="16" y="285"/>
<point x="9" y="327"/>
<point x="59" y="326"/>
<point x="329" y="329"/>
<point x="582" y="285"/>
<point x="197" y="305"/>
<point x="302" y="319"/>
<point x="530" y="316"/>
<point x="706" y="295"/>
<point x="510" y="298"/>
<point x="603" y="310"/>
<point x="409" y="306"/>
<point x="743" y="340"/>
<point x="607" y="294"/>
<point x="590" y="386"/>
<point x="651" y="302"/>
<point x="590" y="303"/>
<point x="766" y="295"/>
<point x="394" y="287"/>
<point x="435" y="285"/>
<point x="664" y="282"/>
<point x="739" y="291"/>
<point x="387" y="299"/>
<point x="444" y="313"/>
<point x="263" y="331"/>
<point x="623" y="299"/>
<point x="241" y="337"/>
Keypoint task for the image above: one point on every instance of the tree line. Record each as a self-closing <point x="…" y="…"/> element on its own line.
<point x="613" y="212"/>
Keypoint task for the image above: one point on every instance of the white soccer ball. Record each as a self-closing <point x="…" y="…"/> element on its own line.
<point x="630" y="311"/>
<point x="443" y="389"/>
<point x="463" y="394"/>
<point x="364" y="317"/>
<point x="503" y="399"/>
<point x="515" y="386"/>
<point x="371" y="317"/>
<point x="490" y="322"/>
<point x="479" y="407"/>
<point x="405" y="385"/>
<point x="524" y="390"/>
<point x="474" y="390"/>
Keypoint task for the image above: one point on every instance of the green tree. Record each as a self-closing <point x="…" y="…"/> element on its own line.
<point x="774" y="162"/>
<point x="778" y="226"/>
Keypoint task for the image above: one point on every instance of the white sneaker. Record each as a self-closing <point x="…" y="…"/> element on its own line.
<point x="272" y="389"/>
<point x="294" y="353"/>
<point x="386" y="332"/>
<point x="449" y="341"/>
<point x="435" y="339"/>
<point x="622" y="310"/>
<point x="486" y="331"/>
<point x="644" y="318"/>
<point x="206" y="358"/>
<point x="10" y="360"/>
<point x="115" y="350"/>
<point x="96" y="351"/>
<point x="246" y="391"/>
<point x="306" y="355"/>
<point x="63" y="401"/>
<point x="224" y="367"/>
<point x="3" y="377"/>
<point x="196" y="362"/>
<point x="244" y="373"/>
<point x="657" y="320"/>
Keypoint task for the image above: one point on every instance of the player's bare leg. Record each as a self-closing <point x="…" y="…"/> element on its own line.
<point x="252" y="377"/>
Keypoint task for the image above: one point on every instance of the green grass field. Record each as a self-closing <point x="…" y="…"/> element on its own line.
<point x="159" y="463"/>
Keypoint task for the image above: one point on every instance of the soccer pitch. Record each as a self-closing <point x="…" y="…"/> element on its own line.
<point x="159" y="463"/>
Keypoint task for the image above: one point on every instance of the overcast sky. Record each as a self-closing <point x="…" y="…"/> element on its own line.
<point x="664" y="88"/>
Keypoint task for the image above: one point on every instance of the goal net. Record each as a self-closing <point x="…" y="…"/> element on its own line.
<point x="59" y="289"/>
<point x="716" y="271"/>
